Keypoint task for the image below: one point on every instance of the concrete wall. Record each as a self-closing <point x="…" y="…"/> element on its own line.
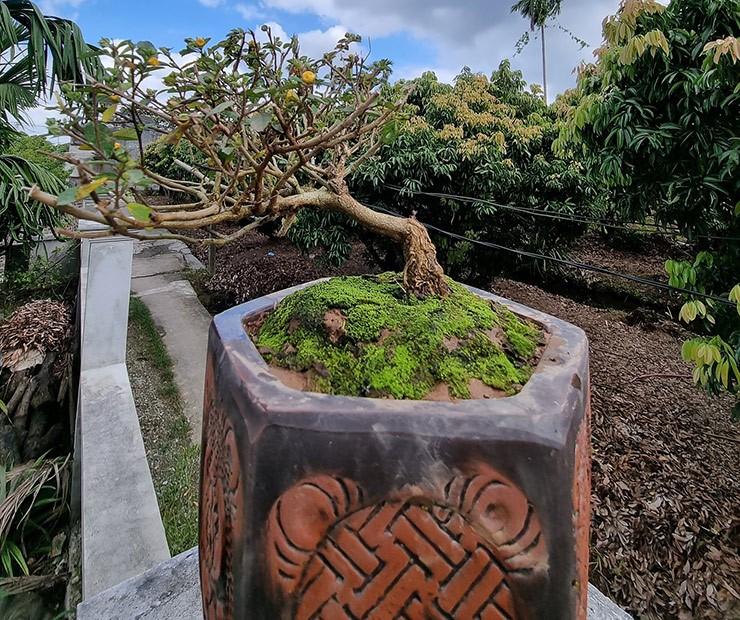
<point x="122" y="531"/>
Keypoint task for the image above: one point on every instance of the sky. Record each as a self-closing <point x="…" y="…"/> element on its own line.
<point x="416" y="35"/>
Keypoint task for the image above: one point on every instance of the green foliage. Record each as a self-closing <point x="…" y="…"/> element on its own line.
<point x="490" y="139"/>
<point x="31" y="148"/>
<point x="386" y="343"/>
<point x="657" y="116"/>
<point x="36" y="51"/>
<point x="32" y="499"/>
<point x="326" y="230"/>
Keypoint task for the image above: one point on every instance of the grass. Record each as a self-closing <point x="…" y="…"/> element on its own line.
<point x="173" y="458"/>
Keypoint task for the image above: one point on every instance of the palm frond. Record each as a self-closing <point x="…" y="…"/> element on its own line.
<point x="55" y="45"/>
<point x="537" y="11"/>
<point x="15" y="98"/>
<point x="34" y="491"/>
<point x="21" y="217"/>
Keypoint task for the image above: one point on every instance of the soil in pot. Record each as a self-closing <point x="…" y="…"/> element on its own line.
<point x="365" y="336"/>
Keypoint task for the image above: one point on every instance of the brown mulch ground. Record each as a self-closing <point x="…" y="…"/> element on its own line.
<point x="665" y="524"/>
<point x="256" y="265"/>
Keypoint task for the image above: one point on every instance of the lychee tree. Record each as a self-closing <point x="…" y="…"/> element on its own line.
<point x="279" y="132"/>
<point x="656" y="118"/>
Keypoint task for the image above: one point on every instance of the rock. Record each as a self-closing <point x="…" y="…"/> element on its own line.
<point x="26" y="606"/>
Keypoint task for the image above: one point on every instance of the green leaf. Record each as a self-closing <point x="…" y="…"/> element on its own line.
<point x="725" y="373"/>
<point x="5" y="557"/>
<point x="135" y="176"/>
<point x="688" y="312"/>
<point x="126" y="134"/>
<point x="83" y="191"/>
<point x="261" y="121"/>
<point x="109" y="113"/>
<point x="735" y="293"/>
<point x="139" y="211"/>
<point x="146" y="49"/>
<point x="220" y="108"/>
<point x="17" y="556"/>
<point x="67" y="197"/>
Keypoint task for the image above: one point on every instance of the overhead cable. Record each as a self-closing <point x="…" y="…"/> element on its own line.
<point x="566" y="262"/>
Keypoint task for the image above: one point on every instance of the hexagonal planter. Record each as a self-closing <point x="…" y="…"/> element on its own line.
<point x="333" y="507"/>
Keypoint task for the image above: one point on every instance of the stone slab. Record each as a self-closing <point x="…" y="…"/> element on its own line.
<point x="602" y="608"/>
<point x="106" y="265"/>
<point x="171" y="591"/>
<point x="122" y="531"/>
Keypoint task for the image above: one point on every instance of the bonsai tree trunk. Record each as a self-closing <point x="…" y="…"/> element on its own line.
<point x="423" y="276"/>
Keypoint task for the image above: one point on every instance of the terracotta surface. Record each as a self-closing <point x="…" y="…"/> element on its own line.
<point x="446" y="553"/>
<point x="222" y="509"/>
<point x="582" y="507"/>
<point x="316" y="506"/>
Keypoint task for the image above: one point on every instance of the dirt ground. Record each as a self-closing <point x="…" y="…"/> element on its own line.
<point x="665" y="519"/>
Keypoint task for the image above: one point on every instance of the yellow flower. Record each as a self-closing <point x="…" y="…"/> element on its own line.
<point x="291" y="95"/>
<point x="200" y="42"/>
<point x="309" y="77"/>
<point x="117" y="145"/>
<point x="153" y="61"/>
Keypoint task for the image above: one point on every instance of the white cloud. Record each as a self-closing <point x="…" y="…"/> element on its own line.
<point x="315" y="43"/>
<point x="211" y="3"/>
<point x="249" y="11"/>
<point x="475" y="33"/>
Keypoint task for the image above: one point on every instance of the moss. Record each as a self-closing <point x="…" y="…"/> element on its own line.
<point x="391" y="344"/>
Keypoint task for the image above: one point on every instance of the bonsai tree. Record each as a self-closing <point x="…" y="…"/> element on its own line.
<point x="279" y="132"/>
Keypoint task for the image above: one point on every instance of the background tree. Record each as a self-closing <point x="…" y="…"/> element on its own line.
<point x="279" y="132"/>
<point x="538" y="12"/>
<point x="490" y="139"/>
<point x="657" y="116"/>
<point x="34" y="148"/>
<point x="35" y="53"/>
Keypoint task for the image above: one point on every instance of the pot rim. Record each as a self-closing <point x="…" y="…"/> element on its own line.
<point x="560" y="381"/>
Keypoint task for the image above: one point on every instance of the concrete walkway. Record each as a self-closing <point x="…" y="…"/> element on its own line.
<point x="180" y="318"/>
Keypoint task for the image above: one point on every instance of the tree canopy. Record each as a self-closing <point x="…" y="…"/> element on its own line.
<point x="657" y="116"/>
<point x="487" y="137"/>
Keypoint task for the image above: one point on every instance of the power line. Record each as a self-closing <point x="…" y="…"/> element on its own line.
<point x="566" y="262"/>
<point x="671" y="231"/>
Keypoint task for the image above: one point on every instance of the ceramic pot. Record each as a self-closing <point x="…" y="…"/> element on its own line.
<point x="333" y="507"/>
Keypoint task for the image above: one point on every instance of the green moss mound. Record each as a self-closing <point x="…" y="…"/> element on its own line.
<point x="364" y="336"/>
